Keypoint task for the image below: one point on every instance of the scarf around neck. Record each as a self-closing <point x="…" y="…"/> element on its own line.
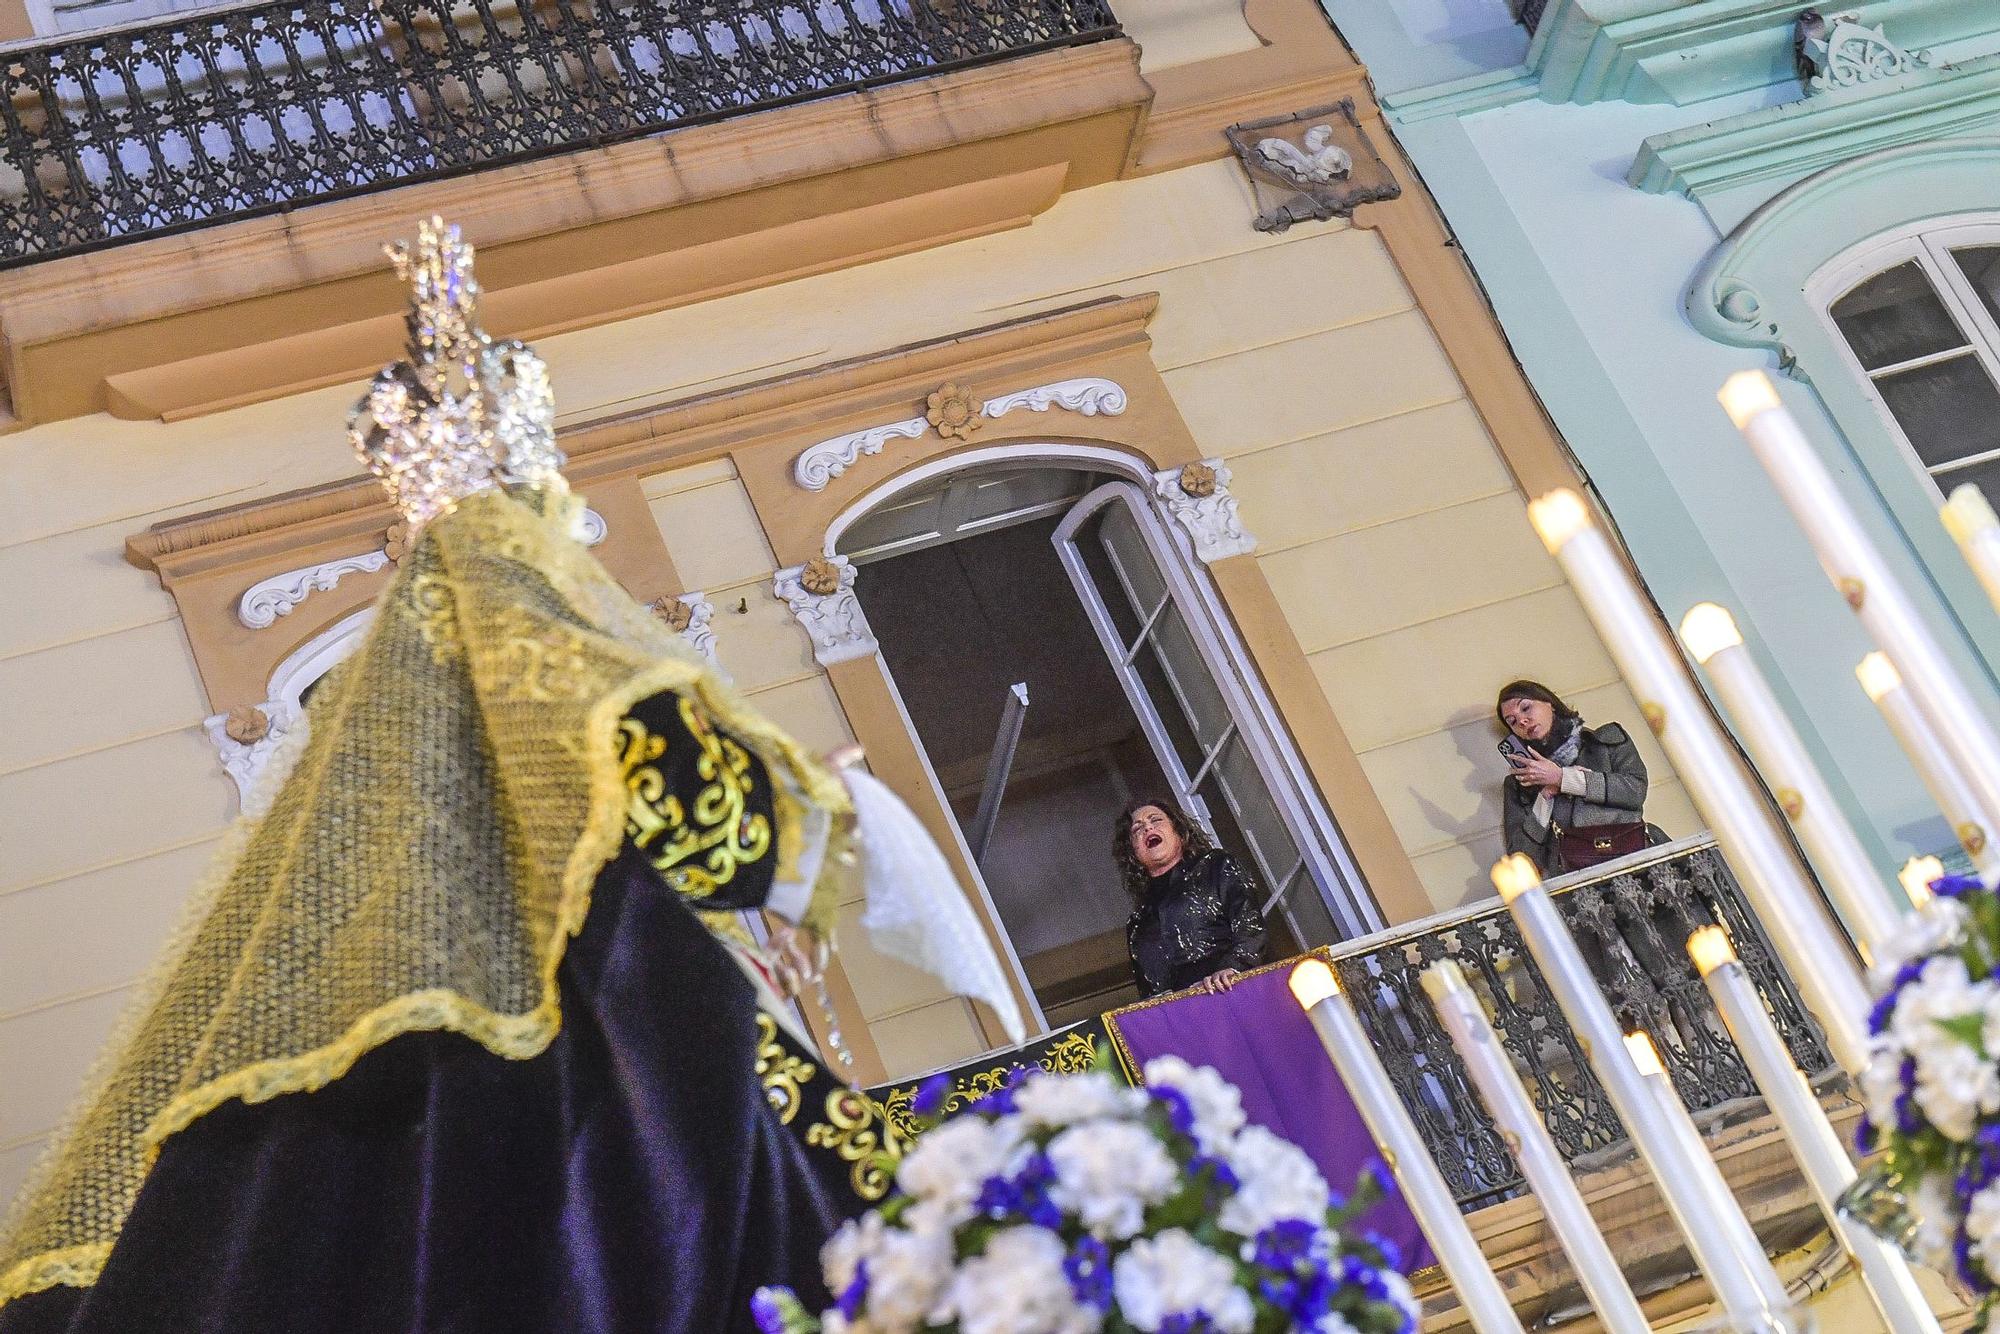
<point x="1563" y="752"/>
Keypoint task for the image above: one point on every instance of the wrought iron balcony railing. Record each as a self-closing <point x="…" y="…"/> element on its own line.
<point x="1632" y="921"/>
<point x="223" y="114"/>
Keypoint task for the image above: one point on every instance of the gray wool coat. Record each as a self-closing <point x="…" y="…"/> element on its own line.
<point x="1614" y="793"/>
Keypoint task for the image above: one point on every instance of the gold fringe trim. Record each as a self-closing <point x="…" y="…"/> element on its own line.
<point x="74" y="1267"/>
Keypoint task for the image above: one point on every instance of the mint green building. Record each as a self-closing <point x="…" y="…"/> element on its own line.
<point x="1658" y="193"/>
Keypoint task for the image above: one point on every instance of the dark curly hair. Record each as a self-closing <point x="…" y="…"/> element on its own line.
<point x="1193" y="841"/>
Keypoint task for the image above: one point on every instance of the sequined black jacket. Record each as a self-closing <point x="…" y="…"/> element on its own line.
<point x="1196" y="919"/>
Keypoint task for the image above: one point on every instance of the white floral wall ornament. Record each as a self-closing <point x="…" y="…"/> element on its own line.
<point x="1089" y="397"/>
<point x="268" y="599"/>
<point x="245" y="737"/>
<point x="1198" y="498"/>
<point x="1845" y="53"/>
<point x="821" y="596"/>
<point x="829" y="458"/>
<point x="1086" y="396"/>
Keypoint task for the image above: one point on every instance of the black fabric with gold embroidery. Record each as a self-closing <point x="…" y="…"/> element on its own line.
<point x="699" y="805"/>
<point x="671" y="1150"/>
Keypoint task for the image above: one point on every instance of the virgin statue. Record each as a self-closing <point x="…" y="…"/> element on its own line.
<point x="470" y="1031"/>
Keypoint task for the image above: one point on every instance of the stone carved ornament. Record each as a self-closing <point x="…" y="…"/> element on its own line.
<point x="821" y="596"/>
<point x="955" y="414"/>
<point x="688" y="615"/>
<point x="266" y="600"/>
<point x="1197" y="497"/>
<point x="1837" y="51"/>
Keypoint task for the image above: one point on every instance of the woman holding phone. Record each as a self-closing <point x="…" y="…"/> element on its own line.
<point x="1577" y="794"/>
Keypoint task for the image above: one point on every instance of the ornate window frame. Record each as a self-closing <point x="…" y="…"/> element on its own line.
<point x="1763" y="288"/>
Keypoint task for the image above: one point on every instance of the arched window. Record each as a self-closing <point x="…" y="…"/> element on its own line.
<point x="1918" y="313"/>
<point x="1050" y="576"/>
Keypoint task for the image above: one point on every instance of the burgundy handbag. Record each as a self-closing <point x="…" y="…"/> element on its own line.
<point x="1579" y="848"/>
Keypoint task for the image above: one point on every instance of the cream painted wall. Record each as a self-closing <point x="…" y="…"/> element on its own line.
<point x="1388" y="528"/>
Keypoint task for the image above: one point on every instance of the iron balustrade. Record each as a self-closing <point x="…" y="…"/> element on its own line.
<point x="224" y="114"/>
<point x="1631" y="919"/>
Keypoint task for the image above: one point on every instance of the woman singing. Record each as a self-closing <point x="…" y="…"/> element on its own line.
<point x="1196" y="922"/>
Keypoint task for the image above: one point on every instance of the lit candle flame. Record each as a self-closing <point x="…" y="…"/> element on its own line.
<point x="1558" y="516"/>
<point x="1878" y="675"/>
<point x="1514" y="875"/>
<point x="1312" y="982"/>
<point x="1916" y="877"/>
<point x="1709" y="947"/>
<point x="1747" y="394"/>
<point x="1644" y="1054"/>
<point x="1707" y="630"/>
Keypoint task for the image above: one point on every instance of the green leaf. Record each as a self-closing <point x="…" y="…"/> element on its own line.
<point x="1966" y="1028"/>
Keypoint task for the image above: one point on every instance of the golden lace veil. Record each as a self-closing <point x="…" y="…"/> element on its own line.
<point x="433" y="844"/>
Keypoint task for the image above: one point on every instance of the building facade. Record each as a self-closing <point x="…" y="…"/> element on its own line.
<point x="946" y="374"/>
<point x="1657" y="195"/>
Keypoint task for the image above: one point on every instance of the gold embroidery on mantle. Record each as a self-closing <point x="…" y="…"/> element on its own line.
<point x="700" y="844"/>
<point x="782" y="1074"/>
<point x="859" y="1132"/>
<point x="1070" y="1055"/>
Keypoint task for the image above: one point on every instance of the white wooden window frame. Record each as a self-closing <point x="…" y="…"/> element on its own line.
<point x="1929" y="243"/>
<point x="1327" y="860"/>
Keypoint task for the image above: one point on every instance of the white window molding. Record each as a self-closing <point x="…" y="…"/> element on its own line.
<point x="821" y="596"/>
<point x="1927" y="244"/>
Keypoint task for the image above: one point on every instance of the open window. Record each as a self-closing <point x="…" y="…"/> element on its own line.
<point x="1065" y="586"/>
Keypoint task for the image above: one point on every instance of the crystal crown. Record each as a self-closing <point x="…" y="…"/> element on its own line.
<point x="463" y="413"/>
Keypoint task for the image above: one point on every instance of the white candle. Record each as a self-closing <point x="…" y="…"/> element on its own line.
<point x="1863" y="578"/>
<point x="1812" y="1138"/>
<point x="1514" y="1115"/>
<point x="1693" y="1189"/>
<point x="1776" y="885"/>
<point x="1403" y="1148"/>
<point x="1858" y="891"/>
<point x="1973" y="525"/>
<point x="1950" y="791"/>
<point x="1917" y="877"/>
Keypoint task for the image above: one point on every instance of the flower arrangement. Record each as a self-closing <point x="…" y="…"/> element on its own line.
<point x="1072" y="1204"/>
<point x="1931" y="1090"/>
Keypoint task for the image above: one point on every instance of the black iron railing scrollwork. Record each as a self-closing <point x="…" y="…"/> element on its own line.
<point x="222" y="114"/>
<point x="1632" y="926"/>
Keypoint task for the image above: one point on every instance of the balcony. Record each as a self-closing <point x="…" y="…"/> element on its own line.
<point x="1631" y="920"/>
<point x="228" y="114"/>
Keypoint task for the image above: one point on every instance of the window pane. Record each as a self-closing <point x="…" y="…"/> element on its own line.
<point x="1132" y="561"/>
<point x="1271" y="844"/>
<point x="1896" y="317"/>
<point x="1985" y="476"/>
<point x="1159" y="691"/>
<point x="1982" y="269"/>
<point x="1948" y="409"/>
<point x="1089" y="543"/>
<point x="1312" y="923"/>
<point x="1194" y="689"/>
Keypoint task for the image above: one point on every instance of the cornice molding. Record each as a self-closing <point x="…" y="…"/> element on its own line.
<point x="1792" y="141"/>
<point x="1588" y="51"/>
<point x="653" y="437"/>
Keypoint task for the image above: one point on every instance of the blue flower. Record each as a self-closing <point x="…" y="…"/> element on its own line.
<point x="1285" y="1243"/>
<point x="1189" y="1322"/>
<point x="1222" y="1177"/>
<point x="1000" y="1102"/>
<point x="1391" y="1253"/>
<point x="1951" y="886"/>
<point x="768" y="1311"/>
<point x="1180" y="1112"/>
<point x="1024" y="1195"/>
<point x="1088" y="1268"/>
<point x="1365" y="1277"/>
<point x="1884" y="1008"/>
<point x="1864" y="1135"/>
<point x="855" y="1294"/>
<point x="931" y="1095"/>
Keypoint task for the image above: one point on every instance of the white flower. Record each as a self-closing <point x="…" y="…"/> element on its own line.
<point x="1018" y="1287"/>
<point x="1882" y="1082"/>
<point x="1062" y="1100"/>
<point x="1217" y="1106"/>
<point x="1982" y="1225"/>
<point x="1108" y="1172"/>
<point x="1956" y="1083"/>
<point x="907" y="1271"/>
<point x="1173" y="1274"/>
<point x="950" y="1163"/>
<point x="1333" y="1323"/>
<point x="1938" y="925"/>
<point x="1275" y="1180"/>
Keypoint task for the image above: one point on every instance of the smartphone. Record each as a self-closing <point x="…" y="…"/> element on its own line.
<point x="1516" y="754"/>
